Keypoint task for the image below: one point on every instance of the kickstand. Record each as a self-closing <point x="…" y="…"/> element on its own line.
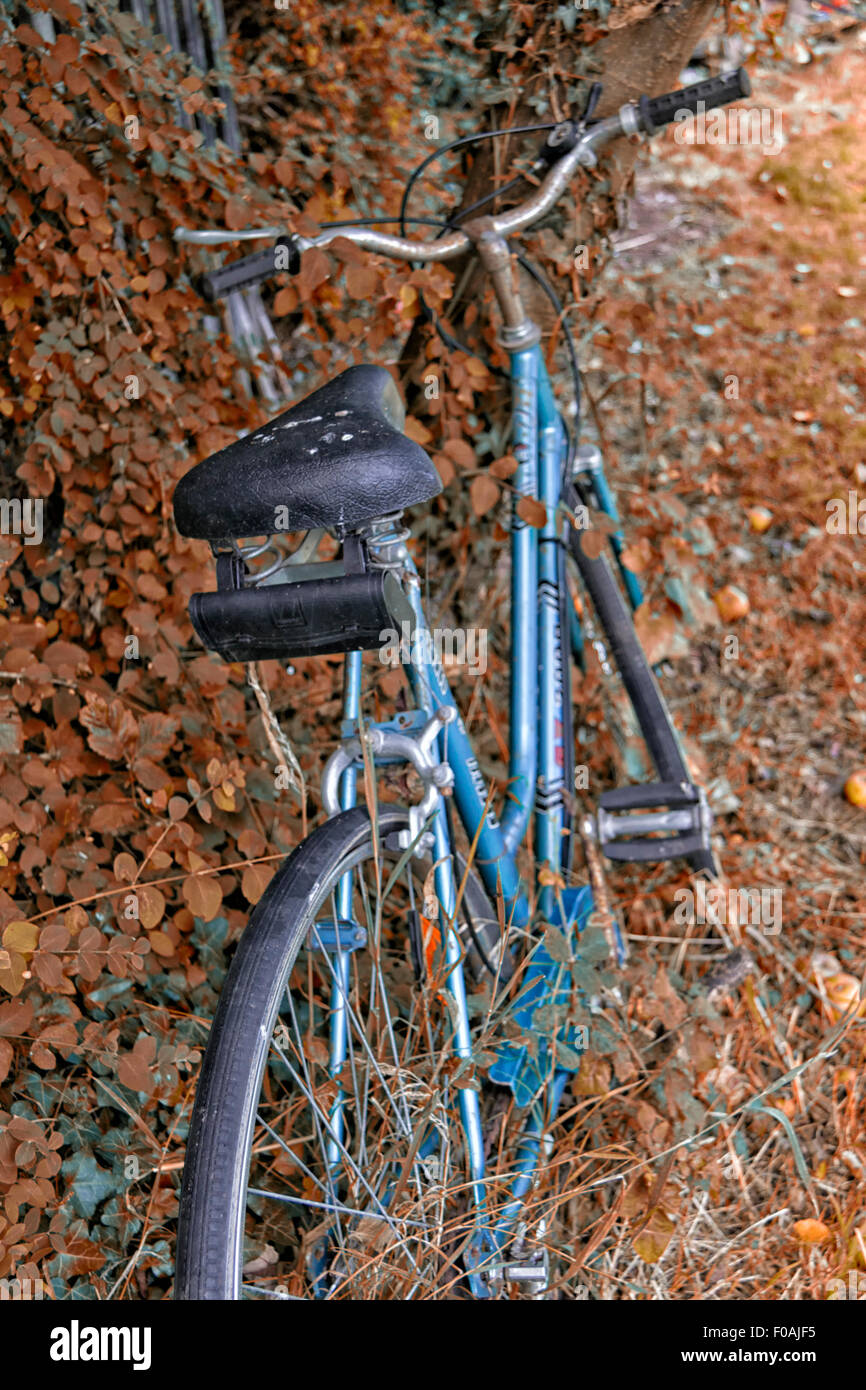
<point x="601" y="896"/>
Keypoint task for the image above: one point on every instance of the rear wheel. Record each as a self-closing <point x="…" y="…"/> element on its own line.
<point x="306" y="1179"/>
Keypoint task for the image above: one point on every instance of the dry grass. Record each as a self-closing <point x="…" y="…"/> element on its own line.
<point x="693" y="1148"/>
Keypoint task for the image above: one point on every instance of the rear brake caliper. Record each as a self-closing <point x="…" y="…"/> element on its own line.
<point x="384" y="745"/>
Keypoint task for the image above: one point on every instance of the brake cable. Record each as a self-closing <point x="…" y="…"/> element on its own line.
<point x="452" y="224"/>
<point x="457" y="144"/>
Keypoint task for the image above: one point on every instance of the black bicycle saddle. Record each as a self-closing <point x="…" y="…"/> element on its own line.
<point x="337" y="459"/>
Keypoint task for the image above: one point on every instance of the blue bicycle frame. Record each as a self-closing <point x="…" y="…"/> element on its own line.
<point x="540" y="724"/>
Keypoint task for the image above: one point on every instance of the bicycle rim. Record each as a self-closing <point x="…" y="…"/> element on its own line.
<point x="306" y="1180"/>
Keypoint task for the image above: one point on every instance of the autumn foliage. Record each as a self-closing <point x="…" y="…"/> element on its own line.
<point x="134" y="764"/>
<point x="139" y="816"/>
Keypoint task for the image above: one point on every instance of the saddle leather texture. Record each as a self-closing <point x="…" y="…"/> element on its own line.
<point x="337" y="459"/>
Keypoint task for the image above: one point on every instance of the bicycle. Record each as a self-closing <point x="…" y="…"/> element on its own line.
<point x="342" y="1141"/>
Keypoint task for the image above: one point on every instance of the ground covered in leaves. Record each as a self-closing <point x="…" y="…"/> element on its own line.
<point x="726" y="375"/>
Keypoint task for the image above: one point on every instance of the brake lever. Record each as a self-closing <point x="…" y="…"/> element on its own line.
<point x="592" y="100"/>
<point x="566" y="134"/>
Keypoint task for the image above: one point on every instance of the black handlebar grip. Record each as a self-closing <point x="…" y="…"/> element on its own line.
<point x="251" y="270"/>
<point x="656" y="112"/>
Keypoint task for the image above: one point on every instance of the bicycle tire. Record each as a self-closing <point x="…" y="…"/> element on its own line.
<point x="213" y="1203"/>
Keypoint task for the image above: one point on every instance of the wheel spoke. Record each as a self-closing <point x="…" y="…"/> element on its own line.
<point x="354" y="1163"/>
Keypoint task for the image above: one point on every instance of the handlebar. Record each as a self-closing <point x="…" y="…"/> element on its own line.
<point x="252" y="270"/>
<point x="716" y="91"/>
<point x="645" y="116"/>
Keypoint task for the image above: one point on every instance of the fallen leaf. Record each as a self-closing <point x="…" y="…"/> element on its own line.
<point x="20" y="936"/>
<point x="151" y="906"/>
<point x="731" y="602"/>
<point x="810" y="1231"/>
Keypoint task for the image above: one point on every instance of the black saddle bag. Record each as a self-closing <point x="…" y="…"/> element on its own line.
<point x="314" y="617"/>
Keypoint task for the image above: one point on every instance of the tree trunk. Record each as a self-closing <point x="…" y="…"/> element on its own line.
<point x="644" y="49"/>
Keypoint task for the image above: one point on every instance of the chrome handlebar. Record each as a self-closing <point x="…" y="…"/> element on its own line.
<point x="505" y="224"/>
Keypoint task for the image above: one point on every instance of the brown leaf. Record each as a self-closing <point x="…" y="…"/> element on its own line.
<point x="125" y="868"/>
<point x="533" y="512"/>
<point x="150" y="775"/>
<point x="251" y="843"/>
<point x="592" y="542"/>
<point x="156" y="735"/>
<point x="445" y="468"/>
<point x="255" y="880"/>
<point x="42" y="1056"/>
<point x="285" y="301"/>
<point x="81" y="1256"/>
<point x="215" y="772"/>
<point x="134" y="1068"/>
<point x="638" y="557"/>
<point x="459" y="452"/>
<point x="503" y="467"/>
<point x="593" y="1078"/>
<point x="235" y="214"/>
<point x="151" y="906"/>
<point x="20" y="936"/>
<point x="362" y="280"/>
<point x="12" y="967"/>
<point x="16" y="1016"/>
<point x="48" y="968"/>
<point x="484" y="494"/>
<point x="655" y="1237"/>
<point x="415" y="430"/>
<point x="112" y="727"/>
<point x="204" y="896"/>
<point x="161" y="943"/>
<point x="658" y="634"/>
<point x="224" y="797"/>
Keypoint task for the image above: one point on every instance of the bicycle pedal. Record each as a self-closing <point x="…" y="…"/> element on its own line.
<point x="653" y="821"/>
<point x="526" y="1273"/>
<point x="530" y="1265"/>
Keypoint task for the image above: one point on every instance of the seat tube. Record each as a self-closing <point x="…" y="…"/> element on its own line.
<point x="343" y="899"/>
<point x="552" y="761"/>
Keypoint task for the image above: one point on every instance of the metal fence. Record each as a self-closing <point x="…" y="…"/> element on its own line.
<point x="198" y="29"/>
